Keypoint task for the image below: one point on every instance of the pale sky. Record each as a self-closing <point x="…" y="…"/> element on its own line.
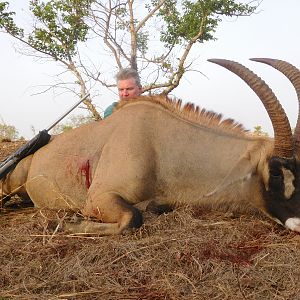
<point x="274" y="32"/>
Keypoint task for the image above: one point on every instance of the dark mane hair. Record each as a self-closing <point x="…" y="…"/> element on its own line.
<point x="190" y="112"/>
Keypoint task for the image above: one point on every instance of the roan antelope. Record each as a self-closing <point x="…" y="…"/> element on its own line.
<point x="152" y="149"/>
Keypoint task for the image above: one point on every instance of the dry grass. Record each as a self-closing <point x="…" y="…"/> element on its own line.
<point x="187" y="254"/>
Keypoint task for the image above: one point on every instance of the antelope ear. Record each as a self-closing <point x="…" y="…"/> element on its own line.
<point x="241" y="171"/>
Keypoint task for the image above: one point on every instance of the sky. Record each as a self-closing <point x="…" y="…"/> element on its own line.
<point x="272" y="32"/>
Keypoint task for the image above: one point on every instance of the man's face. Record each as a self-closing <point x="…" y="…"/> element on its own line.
<point x="128" y="88"/>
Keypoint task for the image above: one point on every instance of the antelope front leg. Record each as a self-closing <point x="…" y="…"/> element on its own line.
<point x="113" y="212"/>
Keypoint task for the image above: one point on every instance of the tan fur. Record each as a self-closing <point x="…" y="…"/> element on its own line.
<point x="151" y="148"/>
<point x="192" y="113"/>
<point x="15" y="182"/>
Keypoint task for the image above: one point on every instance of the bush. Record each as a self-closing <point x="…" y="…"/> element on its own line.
<point x="73" y="122"/>
<point x="8" y="132"/>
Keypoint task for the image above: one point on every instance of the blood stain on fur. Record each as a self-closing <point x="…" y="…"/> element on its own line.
<point x="85" y="170"/>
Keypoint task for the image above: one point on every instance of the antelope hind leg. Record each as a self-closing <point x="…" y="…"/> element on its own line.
<point x="15" y="181"/>
<point x="114" y="213"/>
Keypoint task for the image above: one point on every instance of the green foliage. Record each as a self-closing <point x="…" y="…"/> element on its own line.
<point x="8" y="132"/>
<point x="185" y="21"/>
<point x="142" y="42"/>
<point x="7" y="22"/>
<point x="60" y="26"/>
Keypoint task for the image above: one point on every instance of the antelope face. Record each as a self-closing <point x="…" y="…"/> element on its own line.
<point x="282" y="194"/>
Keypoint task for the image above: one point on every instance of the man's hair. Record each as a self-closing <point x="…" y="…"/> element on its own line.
<point x="128" y="73"/>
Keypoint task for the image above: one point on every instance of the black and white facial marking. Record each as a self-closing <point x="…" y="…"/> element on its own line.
<point x="283" y="194"/>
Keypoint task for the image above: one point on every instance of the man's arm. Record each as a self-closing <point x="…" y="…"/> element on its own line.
<point x="109" y="110"/>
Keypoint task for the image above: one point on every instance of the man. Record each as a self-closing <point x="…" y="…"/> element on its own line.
<point x="129" y="85"/>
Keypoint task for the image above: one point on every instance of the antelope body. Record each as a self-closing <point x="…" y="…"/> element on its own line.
<point x="153" y="150"/>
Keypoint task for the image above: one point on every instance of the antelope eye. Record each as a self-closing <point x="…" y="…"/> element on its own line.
<point x="276" y="173"/>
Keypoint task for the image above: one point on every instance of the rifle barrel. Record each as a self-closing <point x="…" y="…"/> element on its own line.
<point x="67" y="112"/>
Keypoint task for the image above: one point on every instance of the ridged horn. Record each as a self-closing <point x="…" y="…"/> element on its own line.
<point x="293" y="74"/>
<point x="283" y="140"/>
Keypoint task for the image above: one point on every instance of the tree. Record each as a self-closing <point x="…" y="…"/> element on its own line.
<point x="258" y="131"/>
<point x="153" y="36"/>
<point x="72" y="122"/>
<point x="8" y="132"/>
<point x="157" y="39"/>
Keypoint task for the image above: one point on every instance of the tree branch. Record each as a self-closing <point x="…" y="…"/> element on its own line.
<point x="147" y="17"/>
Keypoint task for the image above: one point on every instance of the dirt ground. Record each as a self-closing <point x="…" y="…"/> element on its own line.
<point x="191" y="253"/>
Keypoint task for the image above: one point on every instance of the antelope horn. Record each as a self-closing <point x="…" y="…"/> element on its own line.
<point x="283" y="140"/>
<point x="293" y="74"/>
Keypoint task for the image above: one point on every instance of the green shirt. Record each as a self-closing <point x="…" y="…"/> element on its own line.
<point x="109" y="110"/>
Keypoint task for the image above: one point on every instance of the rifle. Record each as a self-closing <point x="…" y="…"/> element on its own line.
<point x="40" y="140"/>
